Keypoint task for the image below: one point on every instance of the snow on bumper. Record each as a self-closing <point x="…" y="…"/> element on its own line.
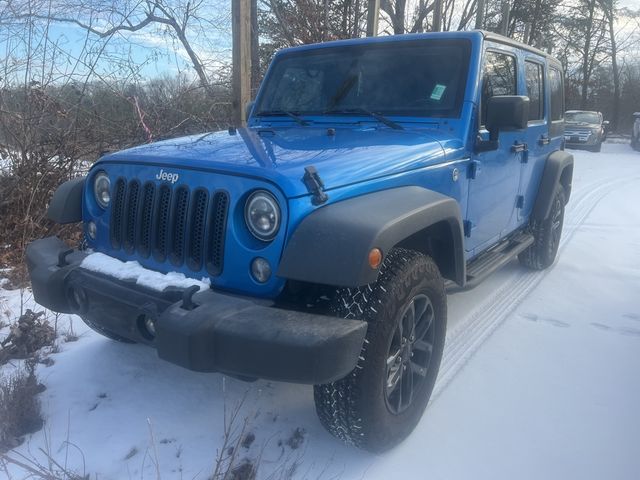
<point x="134" y="272"/>
<point x="195" y="327"/>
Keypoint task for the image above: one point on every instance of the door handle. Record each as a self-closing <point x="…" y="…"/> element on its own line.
<point x="544" y="140"/>
<point x="519" y="147"/>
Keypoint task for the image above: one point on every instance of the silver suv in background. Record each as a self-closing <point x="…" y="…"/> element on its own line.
<point x="584" y="129"/>
<point x="635" y="132"/>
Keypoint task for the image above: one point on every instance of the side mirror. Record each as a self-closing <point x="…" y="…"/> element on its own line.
<point x="504" y="112"/>
<point x="606" y="123"/>
<point x="248" y="108"/>
<point x="507" y="112"/>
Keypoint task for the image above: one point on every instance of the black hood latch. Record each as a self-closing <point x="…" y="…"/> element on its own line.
<point x="314" y="185"/>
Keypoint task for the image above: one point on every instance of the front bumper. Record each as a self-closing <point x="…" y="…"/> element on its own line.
<point x="205" y="331"/>
<point x="581" y="140"/>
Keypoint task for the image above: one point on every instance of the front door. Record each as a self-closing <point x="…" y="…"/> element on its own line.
<point x="493" y="193"/>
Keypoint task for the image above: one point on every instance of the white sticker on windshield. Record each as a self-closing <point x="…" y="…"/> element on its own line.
<point x="438" y="91"/>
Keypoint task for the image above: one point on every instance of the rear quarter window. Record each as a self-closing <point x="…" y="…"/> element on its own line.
<point x="535" y="89"/>
<point x="557" y="94"/>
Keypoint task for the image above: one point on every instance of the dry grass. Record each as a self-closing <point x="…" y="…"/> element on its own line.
<point x="19" y="406"/>
<point x="27" y="335"/>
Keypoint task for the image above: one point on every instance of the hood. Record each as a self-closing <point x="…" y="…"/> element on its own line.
<point x="582" y="124"/>
<point x="341" y="156"/>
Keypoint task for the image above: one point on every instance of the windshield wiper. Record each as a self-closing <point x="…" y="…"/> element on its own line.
<point x="276" y="113"/>
<point x="344" y="88"/>
<point x="381" y="118"/>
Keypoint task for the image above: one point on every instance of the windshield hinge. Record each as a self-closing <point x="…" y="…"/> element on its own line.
<point x="313" y="182"/>
<point x="474" y="169"/>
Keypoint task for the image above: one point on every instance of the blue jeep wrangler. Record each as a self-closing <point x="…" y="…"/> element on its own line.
<point x="374" y="175"/>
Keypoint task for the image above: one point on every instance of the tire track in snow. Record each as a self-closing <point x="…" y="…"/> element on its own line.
<point x="474" y="329"/>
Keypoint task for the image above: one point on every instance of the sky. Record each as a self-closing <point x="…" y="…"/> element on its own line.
<point x="154" y="51"/>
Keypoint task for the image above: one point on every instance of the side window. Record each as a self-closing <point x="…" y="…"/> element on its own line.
<point x="557" y="94"/>
<point x="535" y="90"/>
<point x="499" y="78"/>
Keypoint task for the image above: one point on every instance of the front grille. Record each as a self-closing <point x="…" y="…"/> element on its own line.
<point x="180" y="225"/>
<point x="198" y="220"/>
<point x="582" y="134"/>
<point x="117" y="214"/>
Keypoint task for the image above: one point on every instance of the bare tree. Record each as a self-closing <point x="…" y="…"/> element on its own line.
<point x="609" y="9"/>
<point x="176" y="18"/>
<point x="404" y="21"/>
<point x="295" y="22"/>
<point x="587" y="64"/>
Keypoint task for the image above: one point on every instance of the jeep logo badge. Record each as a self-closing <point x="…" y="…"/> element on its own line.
<point x="169" y="177"/>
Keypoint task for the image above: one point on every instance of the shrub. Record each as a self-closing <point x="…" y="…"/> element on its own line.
<point x="19" y="407"/>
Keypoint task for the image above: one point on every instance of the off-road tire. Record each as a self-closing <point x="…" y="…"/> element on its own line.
<point x="634" y="142"/>
<point x="356" y="408"/>
<point x="597" y="148"/>
<point x="542" y="253"/>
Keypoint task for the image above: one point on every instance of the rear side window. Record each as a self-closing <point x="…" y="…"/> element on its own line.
<point x="499" y="78"/>
<point x="535" y="90"/>
<point x="557" y="94"/>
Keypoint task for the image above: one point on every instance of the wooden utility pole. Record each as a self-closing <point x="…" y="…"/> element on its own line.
<point x="241" y="75"/>
<point x="437" y="16"/>
<point x="255" y="53"/>
<point x="480" y="15"/>
<point x="504" y="24"/>
<point x="373" y="13"/>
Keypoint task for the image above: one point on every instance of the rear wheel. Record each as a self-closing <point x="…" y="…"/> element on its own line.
<point x="547" y="233"/>
<point x="381" y="401"/>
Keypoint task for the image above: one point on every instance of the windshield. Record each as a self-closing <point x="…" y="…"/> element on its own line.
<point x="423" y="78"/>
<point x="582" y="117"/>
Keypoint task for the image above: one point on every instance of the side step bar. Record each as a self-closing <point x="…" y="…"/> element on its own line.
<point x="488" y="262"/>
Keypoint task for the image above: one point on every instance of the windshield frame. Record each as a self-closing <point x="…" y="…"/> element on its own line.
<point x="465" y="44"/>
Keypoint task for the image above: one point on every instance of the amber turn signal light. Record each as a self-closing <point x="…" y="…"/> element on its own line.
<point x="375" y="258"/>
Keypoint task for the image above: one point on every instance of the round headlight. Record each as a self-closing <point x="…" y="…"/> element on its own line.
<point x="262" y="215"/>
<point x="102" y="189"/>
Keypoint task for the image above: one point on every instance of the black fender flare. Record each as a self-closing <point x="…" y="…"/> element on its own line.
<point x="332" y="244"/>
<point x="66" y="204"/>
<point x="558" y="169"/>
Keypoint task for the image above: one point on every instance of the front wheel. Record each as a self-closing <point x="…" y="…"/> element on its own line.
<point x="381" y="401"/>
<point x="542" y="253"/>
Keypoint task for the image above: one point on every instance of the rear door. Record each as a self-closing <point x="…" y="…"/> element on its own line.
<point x="538" y="140"/>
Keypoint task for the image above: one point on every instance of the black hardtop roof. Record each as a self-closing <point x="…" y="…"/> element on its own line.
<point x="490" y="36"/>
<point x="495" y="37"/>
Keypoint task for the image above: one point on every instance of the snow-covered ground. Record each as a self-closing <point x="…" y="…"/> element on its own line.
<point x="539" y="378"/>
